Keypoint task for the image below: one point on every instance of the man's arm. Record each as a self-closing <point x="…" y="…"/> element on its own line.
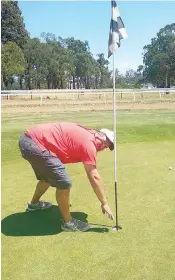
<point x="96" y="183"/>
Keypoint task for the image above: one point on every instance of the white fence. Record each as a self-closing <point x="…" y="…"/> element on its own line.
<point x="78" y="92"/>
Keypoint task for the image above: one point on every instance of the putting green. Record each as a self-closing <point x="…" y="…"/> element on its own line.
<point x="33" y="246"/>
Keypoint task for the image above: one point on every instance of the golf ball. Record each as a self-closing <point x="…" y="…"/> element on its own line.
<point x="170" y="168"/>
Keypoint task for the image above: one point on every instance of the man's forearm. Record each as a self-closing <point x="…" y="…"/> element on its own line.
<point x="97" y="186"/>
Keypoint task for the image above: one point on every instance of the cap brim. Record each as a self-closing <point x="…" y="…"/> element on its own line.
<point x="111" y="147"/>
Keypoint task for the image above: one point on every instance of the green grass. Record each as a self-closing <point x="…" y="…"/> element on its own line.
<point x="34" y="248"/>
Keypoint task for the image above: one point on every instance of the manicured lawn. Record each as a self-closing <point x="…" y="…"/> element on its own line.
<point x="34" y="247"/>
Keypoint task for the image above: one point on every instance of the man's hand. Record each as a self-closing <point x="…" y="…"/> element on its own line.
<point x="105" y="209"/>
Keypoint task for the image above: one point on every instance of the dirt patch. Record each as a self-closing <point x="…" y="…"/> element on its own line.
<point x="21" y="107"/>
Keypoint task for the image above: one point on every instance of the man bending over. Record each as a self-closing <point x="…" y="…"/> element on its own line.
<point x="48" y="147"/>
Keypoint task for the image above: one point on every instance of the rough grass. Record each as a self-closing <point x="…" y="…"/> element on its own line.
<point x="33" y="246"/>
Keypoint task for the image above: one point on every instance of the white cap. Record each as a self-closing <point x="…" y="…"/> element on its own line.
<point x="110" y="135"/>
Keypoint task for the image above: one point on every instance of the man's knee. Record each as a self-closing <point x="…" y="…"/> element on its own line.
<point x="62" y="184"/>
<point x="66" y="184"/>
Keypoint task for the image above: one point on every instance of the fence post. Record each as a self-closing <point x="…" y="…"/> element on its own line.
<point x="104" y="97"/>
<point x="41" y="100"/>
<point x="160" y="95"/>
<point x="134" y="97"/>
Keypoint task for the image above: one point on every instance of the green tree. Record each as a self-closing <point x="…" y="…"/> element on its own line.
<point x="120" y="79"/>
<point x="86" y="70"/>
<point x="12" y="25"/>
<point x="159" y="58"/>
<point x="82" y="60"/>
<point x="33" y="55"/>
<point x="60" y="65"/>
<point x="105" y="74"/>
<point x="140" y="69"/>
<point x="13" y="63"/>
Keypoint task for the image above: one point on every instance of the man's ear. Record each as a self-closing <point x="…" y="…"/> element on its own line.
<point x="101" y="136"/>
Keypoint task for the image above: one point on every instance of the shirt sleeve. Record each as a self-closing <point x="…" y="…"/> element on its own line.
<point x="89" y="154"/>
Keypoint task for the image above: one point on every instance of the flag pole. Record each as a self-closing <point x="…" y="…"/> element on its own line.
<point x="116" y="33"/>
<point x="116" y="227"/>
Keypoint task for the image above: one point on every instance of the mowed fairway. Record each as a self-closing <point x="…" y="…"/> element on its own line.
<point x="34" y="247"/>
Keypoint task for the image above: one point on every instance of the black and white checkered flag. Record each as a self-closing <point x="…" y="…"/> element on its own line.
<point x="117" y="30"/>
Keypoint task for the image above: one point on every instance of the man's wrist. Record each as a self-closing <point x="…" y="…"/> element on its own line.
<point x="104" y="202"/>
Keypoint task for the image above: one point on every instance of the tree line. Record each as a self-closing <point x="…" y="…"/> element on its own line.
<point x="57" y="63"/>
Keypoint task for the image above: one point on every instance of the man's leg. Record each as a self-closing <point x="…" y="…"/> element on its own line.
<point x="63" y="200"/>
<point x="41" y="188"/>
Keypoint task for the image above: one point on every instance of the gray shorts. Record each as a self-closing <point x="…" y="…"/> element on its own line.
<point x="46" y="167"/>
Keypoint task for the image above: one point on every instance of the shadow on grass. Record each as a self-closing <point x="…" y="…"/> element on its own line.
<point x="39" y="223"/>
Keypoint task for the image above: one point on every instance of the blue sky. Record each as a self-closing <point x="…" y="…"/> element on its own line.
<point x="90" y="20"/>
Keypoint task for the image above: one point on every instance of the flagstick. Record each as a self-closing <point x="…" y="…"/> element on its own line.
<point x="116" y="227"/>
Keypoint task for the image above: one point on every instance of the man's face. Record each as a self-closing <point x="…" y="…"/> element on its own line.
<point x="103" y="144"/>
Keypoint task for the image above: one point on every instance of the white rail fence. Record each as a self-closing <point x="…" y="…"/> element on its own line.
<point x="77" y="93"/>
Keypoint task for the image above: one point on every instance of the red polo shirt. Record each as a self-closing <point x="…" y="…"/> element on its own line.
<point x="69" y="142"/>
